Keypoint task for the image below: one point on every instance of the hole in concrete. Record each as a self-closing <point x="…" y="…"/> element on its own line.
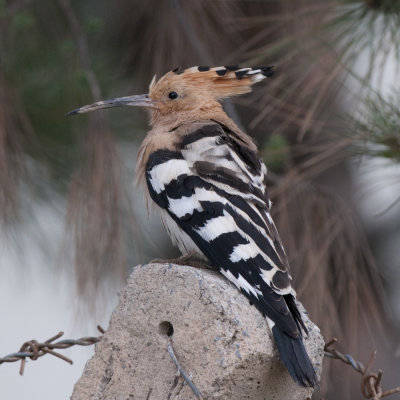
<point x="166" y="328"/>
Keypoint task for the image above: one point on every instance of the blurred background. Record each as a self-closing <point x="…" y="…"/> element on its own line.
<point x="72" y="225"/>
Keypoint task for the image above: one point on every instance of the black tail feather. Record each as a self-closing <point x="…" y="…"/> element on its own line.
<point x="291" y="303"/>
<point x="295" y="358"/>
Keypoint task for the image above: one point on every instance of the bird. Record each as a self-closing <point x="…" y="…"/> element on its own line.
<point x="205" y="177"/>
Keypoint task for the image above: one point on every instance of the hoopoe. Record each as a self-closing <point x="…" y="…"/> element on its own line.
<point x="207" y="179"/>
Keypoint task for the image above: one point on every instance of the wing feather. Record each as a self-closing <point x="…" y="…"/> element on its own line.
<point x="213" y="189"/>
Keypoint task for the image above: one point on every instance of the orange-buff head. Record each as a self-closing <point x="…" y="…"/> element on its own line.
<point x="188" y="90"/>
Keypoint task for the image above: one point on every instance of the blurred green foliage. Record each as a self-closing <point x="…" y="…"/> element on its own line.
<point x="379" y="127"/>
<point x="276" y="153"/>
<point x="41" y="64"/>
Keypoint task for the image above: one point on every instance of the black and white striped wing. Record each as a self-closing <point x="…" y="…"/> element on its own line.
<point x="212" y="187"/>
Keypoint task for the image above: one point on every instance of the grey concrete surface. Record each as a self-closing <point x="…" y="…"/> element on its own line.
<point x="220" y="340"/>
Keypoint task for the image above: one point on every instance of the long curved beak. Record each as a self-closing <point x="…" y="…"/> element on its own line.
<point x="141" y="100"/>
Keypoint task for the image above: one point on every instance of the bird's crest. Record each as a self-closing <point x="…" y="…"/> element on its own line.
<point x="221" y="82"/>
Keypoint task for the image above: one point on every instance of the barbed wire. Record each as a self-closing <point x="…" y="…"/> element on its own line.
<point x="370" y="382"/>
<point x="34" y="350"/>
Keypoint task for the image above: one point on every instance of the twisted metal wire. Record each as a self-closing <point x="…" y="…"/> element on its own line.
<point x="370" y="382"/>
<point x="184" y="375"/>
<point x="34" y="350"/>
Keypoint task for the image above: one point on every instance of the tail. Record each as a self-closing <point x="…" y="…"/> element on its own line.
<point x="295" y="358"/>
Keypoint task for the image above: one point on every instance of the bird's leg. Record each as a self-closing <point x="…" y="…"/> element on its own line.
<point x="192" y="259"/>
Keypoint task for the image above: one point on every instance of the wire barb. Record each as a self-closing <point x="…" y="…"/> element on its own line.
<point x="371" y="387"/>
<point x="34" y="350"/>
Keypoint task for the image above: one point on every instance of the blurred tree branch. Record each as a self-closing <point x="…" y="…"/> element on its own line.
<point x="82" y="48"/>
<point x="97" y="199"/>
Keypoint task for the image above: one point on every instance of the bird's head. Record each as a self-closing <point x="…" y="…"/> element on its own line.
<point x="188" y="90"/>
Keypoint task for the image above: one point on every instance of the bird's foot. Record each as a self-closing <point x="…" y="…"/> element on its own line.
<point x="191" y="259"/>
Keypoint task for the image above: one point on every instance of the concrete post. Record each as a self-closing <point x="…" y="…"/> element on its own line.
<point x="222" y="343"/>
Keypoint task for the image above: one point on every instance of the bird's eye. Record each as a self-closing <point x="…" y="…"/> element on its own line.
<point x="172" y="95"/>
